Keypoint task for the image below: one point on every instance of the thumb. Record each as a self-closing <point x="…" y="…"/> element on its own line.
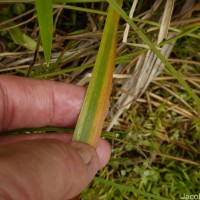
<point x="47" y="169"/>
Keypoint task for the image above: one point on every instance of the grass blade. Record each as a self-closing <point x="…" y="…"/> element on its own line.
<point x="22" y="39"/>
<point x="45" y="19"/>
<point x="88" y="10"/>
<point x="168" y="66"/>
<point x="179" y="35"/>
<point x="90" y="122"/>
<point x="129" y="189"/>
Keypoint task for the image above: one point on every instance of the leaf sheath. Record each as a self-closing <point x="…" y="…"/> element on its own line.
<point x="91" y="119"/>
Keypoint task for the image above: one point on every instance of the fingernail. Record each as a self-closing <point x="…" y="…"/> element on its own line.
<point x="83" y="151"/>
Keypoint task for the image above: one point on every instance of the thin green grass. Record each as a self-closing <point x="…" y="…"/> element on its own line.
<point x="128" y="189"/>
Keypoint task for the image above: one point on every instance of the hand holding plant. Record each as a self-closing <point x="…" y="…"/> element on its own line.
<point x="44" y="166"/>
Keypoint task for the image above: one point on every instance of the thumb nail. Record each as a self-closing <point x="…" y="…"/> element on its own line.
<point x="84" y="152"/>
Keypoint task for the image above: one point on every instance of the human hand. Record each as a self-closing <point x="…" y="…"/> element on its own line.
<point x="44" y="166"/>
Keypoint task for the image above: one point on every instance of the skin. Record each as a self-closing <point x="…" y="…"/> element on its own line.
<point x="44" y="166"/>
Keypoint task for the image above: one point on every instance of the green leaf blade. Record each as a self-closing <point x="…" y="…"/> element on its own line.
<point x="45" y="18"/>
<point x="22" y="39"/>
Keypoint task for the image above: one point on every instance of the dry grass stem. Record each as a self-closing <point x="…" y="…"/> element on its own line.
<point x="166" y="19"/>
<point x="146" y="69"/>
<point x="125" y="36"/>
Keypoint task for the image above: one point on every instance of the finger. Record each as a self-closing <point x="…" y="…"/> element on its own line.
<point x="8" y="139"/>
<point x="103" y="148"/>
<point x="46" y="169"/>
<point x="35" y="103"/>
<point x="104" y="152"/>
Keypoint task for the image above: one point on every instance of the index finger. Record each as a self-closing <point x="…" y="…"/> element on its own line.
<point x="28" y="103"/>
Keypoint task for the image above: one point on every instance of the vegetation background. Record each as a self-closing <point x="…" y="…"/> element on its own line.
<point x="153" y="123"/>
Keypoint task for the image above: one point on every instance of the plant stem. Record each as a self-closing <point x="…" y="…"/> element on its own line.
<point x="91" y="119"/>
